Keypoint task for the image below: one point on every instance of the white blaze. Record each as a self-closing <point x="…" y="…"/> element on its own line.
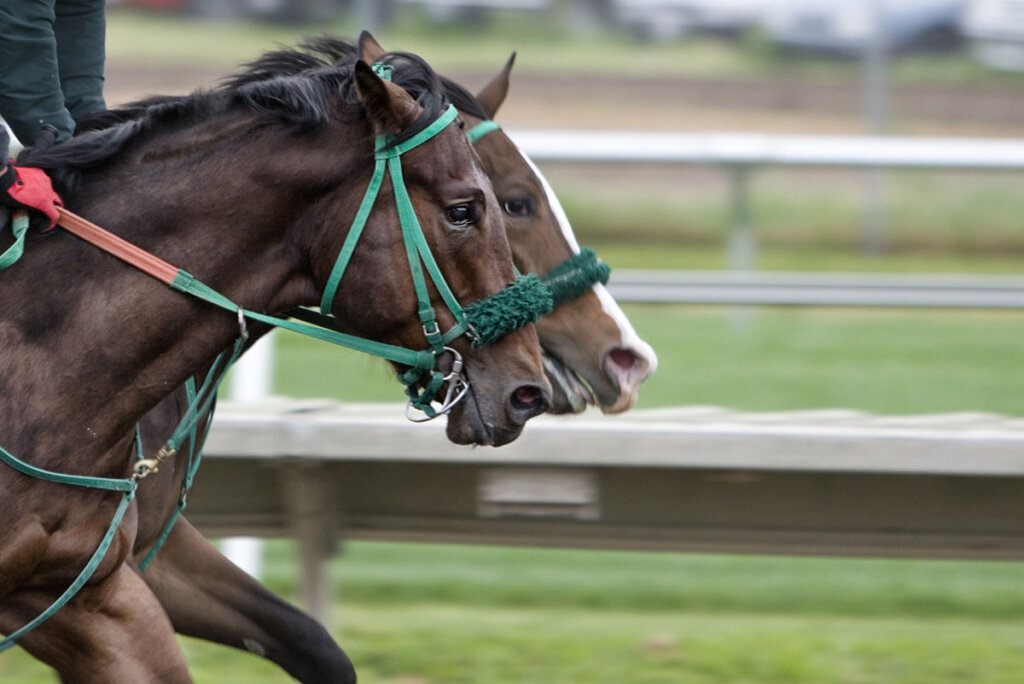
<point x="630" y="340"/>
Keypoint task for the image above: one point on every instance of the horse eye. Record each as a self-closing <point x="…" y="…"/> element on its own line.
<point x="460" y="214"/>
<point x="516" y="207"/>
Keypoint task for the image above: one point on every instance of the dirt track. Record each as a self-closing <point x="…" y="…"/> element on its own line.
<point x="785" y="106"/>
<point x="781" y="104"/>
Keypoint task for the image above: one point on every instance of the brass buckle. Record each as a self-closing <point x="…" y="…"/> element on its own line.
<point x="148" y="466"/>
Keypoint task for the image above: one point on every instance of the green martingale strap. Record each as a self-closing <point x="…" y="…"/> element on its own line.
<point x="201" y="401"/>
<point x="19" y="226"/>
<point x="83" y="577"/>
<point x="126" y="486"/>
<point x="195" y="457"/>
<point x="108" y="483"/>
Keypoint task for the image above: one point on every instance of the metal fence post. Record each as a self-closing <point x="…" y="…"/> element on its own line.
<point x="252" y="379"/>
<point x="311" y="522"/>
<point x="742" y="244"/>
<point x="876" y="110"/>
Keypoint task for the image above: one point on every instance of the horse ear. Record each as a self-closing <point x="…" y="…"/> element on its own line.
<point x="388" y="107"/>
<point x="369" y="49"/>
<point x="493" y="94"/>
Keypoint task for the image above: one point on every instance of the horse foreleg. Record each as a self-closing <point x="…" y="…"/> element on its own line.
<point x="113" y="631"/>
<point x="208" y="597"/>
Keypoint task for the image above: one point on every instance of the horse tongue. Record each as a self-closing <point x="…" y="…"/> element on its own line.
<point x="577" y="394"/>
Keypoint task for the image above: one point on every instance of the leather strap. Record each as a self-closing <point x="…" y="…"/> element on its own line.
<point x="122" y="249"/>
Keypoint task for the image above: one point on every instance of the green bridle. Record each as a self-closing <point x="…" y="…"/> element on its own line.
<point x="522" y="302"/>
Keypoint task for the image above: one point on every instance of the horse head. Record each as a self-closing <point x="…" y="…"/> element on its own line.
<point x="592" y="353"/>
<point x="462" y="224"/>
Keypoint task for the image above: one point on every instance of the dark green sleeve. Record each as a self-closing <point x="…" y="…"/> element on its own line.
<point x="51" y="64"/>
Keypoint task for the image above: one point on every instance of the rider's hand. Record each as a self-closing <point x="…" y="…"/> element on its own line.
<point x="27" y="187"/>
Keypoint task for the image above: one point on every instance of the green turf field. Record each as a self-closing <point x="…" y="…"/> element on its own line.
<point x="878" y="361"/>
<point x="419" y="614"/>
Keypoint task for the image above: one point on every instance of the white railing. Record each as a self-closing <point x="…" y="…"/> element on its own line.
<point x="682" y="479"/>
<point x="746" y="288"/>
<point x="767" y="149"/>
<point x="742" y="153"/>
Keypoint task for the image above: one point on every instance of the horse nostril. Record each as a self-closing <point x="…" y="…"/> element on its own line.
<point x="529" y="399"/>
<point x="526" y="396"/>
<point x="623" y="358"/>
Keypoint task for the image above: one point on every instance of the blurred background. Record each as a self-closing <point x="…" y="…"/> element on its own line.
<point x="927" y="69"/>
<point x="942" y="69"/>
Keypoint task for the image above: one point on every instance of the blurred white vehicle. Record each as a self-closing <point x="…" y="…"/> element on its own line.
<point x="458" y="10"/>
<point x="995" y="29"/>
<point x="845" y="27"/>
<point x="664" y="19"/>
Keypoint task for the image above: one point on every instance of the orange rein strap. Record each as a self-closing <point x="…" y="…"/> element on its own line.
<point x="122" y="249"/>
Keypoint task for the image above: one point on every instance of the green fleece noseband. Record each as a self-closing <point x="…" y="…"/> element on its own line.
<point x="574" y="276"/>
<point x="521" y="303"/>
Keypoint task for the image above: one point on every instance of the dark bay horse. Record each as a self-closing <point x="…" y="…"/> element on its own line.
<point x="252" y="189"/>
<point x="208" y="597"/>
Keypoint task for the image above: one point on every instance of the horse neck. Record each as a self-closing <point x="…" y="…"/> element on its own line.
<point x="92" y="344"/>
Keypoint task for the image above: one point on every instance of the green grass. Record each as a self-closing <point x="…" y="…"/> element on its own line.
<point x="779" y="359"/>
<point x="547" y="646"/>
<point x="885" y="362"/>
<point x="448" y="614"/>
<point x="935" y="212"/>
<point x="383" y="574"/>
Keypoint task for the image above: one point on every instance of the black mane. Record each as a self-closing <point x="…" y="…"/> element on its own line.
<point x="302" y="88"/>
<point x="322" y="51"/>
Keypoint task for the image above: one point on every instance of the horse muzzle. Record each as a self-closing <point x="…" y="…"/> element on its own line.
<point x="497" y="418"/>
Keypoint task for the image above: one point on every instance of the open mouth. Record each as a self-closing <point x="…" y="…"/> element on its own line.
<point x="566" y="381"/>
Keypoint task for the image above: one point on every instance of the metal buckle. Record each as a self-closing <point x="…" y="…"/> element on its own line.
<point x="456" y="384"/>
<point x="436" y="332"/>
<point x="148" y="466"/>
<point x="243" y="329"/>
